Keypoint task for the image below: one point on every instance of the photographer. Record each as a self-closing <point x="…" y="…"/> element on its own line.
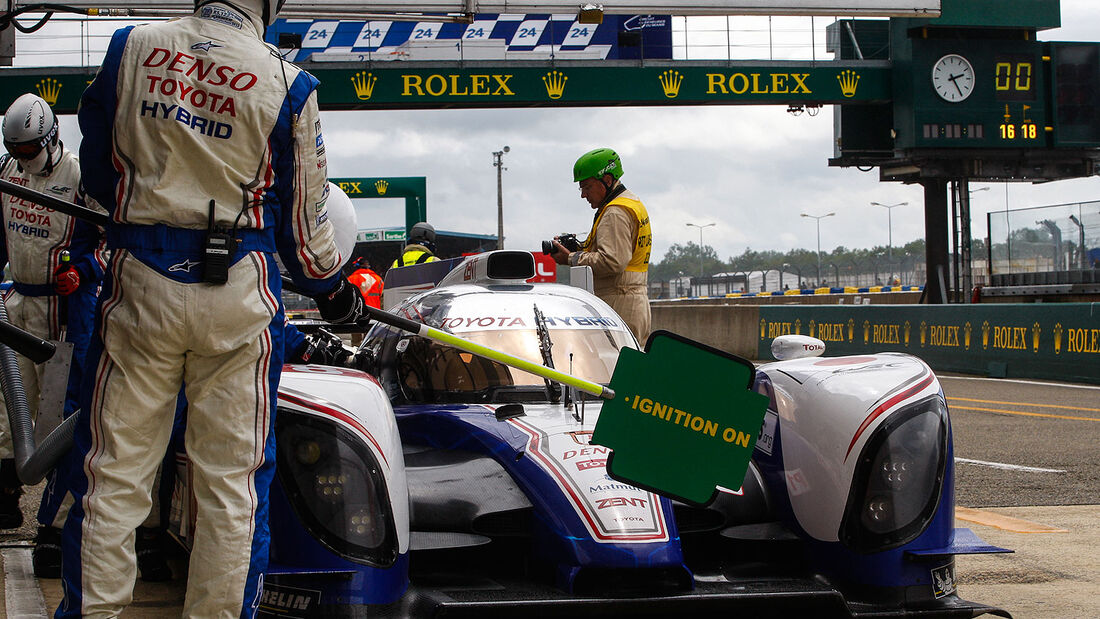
<point x="618" y="245"/>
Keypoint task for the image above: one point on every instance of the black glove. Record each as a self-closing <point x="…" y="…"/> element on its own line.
<point x="362" y="360"/>
<point x="342" y="304"/>
<point x="322" y="348"/>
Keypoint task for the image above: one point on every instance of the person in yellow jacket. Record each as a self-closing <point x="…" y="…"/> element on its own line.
<point x="420" y="248"/>
<point x="618" y="245"/>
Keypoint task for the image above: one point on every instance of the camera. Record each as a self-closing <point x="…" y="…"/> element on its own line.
<point x="569" y="241"/>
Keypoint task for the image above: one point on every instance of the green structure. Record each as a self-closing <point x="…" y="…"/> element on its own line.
<point x="414" y="189"/>
<point x="1059" y="341"/>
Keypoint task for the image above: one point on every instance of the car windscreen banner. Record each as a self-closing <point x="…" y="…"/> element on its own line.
<point x="488" y="37"/>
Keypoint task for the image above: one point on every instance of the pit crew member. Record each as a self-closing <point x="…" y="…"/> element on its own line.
<point x="368" y="282"/>
<point x="206" y="149"/>
<point x="420" y="248"/>
<point x="56" y="264"/>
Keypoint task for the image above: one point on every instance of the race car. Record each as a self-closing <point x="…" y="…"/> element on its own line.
<point x="431" y="481"/>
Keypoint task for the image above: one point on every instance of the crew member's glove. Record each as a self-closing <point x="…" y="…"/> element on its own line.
<point x="342" y="304"/>
<point x="67" y="279"/>
<point x="362" y="360"/>
<point x="322" y="348"/>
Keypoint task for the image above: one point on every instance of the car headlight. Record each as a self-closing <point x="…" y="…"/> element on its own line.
<point x="898" y="479"/>
<point x="336" y="488"/>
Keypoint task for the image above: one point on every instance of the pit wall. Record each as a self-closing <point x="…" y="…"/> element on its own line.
<point x="1019" y="340"/>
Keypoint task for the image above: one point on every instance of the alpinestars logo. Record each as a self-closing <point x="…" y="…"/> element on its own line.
<point x="184" y="266"/>
<point x="205" y="46"/>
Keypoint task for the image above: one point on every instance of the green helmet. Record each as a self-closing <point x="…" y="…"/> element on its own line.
<point x="596" y="163"/>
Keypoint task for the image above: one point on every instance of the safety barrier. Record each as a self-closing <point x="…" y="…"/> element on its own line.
<point x="1054" y="341"/>
<point x="810" y="291"/>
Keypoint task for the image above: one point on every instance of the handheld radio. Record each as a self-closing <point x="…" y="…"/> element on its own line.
<point x="217" y="253"/>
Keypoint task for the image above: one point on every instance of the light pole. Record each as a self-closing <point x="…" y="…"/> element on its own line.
<point x="818" y="218"/>
<point x="890" y="224"/>
<point x="700" y="248"/>
<point x="1081" y="253"/>
<point x="498" y="163"/>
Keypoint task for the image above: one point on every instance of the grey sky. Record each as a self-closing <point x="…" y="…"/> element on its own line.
<point x="751" y="170"/>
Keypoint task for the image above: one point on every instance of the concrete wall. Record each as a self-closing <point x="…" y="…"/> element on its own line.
<point x="1058" y="341"/>
<point x="732" y="328"/>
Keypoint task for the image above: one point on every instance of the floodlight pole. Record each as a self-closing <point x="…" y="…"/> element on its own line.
<point x="818" y="218"/>
<point x="498" y="163"/>
<point x="700" y="251"/>
<point x="1082" y="259"/>
<point x="889" y="225"/>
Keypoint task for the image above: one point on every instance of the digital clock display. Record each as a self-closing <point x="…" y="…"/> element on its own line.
<point x="1020" y="131"/>
<point x="1014" y="77"/>
<point x="1007" y="102"/>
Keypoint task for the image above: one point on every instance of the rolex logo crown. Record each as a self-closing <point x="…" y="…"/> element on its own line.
<point x="849" y="80"/>
<point x="670" y="82"/>
<point x="381" y="186"/>
<point x="555" y="84"/>
<point x="49" y="89"/>
<point x="364" y="84"/>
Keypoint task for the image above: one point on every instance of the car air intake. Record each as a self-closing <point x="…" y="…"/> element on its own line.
<point x="511" y="265"/>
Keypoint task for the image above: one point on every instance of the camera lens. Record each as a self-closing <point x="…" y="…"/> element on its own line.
<point x="547" y="247"/>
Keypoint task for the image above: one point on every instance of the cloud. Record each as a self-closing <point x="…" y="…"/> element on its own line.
<point x="752" y="170"/>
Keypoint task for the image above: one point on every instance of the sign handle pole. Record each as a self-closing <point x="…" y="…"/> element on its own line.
<point x="56" y="204"/>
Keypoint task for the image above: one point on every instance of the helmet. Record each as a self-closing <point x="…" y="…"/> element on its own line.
<point x="596" y="163"/>
<point x="267" y="10"/>
<point x="361" y="263"/>
<point x="30" y="134"/>
<point x="421" y="232"/>
<point x="345" y="224"/>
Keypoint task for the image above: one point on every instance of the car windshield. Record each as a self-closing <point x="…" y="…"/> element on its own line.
<point x="432" y="372"/>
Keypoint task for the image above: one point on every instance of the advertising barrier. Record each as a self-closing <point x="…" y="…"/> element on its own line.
<point x="1053" y="341"/>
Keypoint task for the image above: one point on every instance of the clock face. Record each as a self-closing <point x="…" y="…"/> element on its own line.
<point x="953" y="78"/>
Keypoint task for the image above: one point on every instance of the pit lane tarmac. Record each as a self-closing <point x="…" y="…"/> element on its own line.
<point x="1027" y="470"/>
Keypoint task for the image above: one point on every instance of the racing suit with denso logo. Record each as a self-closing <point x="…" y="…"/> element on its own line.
<point x="31" y="242"/>
<point x="183" y="113"/>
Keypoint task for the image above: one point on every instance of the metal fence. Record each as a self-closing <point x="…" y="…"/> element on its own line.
<point x="1059" y="240"/>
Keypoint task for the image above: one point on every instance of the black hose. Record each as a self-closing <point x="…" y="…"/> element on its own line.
<point x="27" y="344"/>
<point x="31" y="464"/>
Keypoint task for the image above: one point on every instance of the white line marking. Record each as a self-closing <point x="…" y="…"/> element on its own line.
<point x="1007" y="467"/>
<point x="24" y="598"/>
<point x="1020" y="381"/>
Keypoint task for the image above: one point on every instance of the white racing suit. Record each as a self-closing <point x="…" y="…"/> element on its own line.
<point x="182" y="113"/>
<point x="33" y="238"/>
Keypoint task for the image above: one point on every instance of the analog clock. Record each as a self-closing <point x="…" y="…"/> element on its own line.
<point x="953" y="78"/>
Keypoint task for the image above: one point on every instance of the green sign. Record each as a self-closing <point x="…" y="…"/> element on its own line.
<point x="974" y="93"/>
<point x="406" y="85"/>
<point x="1075" y="79"/>
<point x="61" y="87"/>
<point x="401" y="85"/>
<point x="1036" y="340"/>
<point x="380" y="235"/>
<point x="995" y="13"/>
<point x="683" y="419"/>
<point x="414" y="189"/>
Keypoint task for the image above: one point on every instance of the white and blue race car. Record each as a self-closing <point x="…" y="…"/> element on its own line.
<point x="441" y="483"/>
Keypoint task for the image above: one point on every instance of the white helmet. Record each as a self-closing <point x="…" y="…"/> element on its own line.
<point x="30" y="134"/>
<point x="266" y="10"/>
<point x="345" y="223"/>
